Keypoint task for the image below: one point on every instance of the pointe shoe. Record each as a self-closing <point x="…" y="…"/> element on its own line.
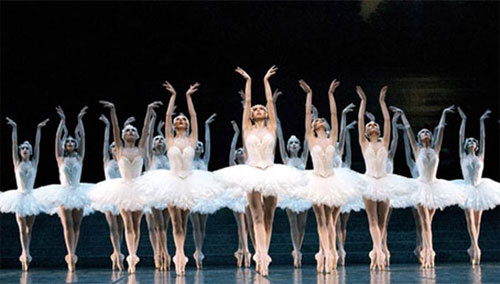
<point x="264" y="265"/>
<point x="342" y="255"/>
<point x="256" y="258"/>
<point x="470" y="252"/>
<point x="328" y="263"/>
<point x="132" y="261"/>
<point x="239" y="258"/>
<point x="297" y="259"/>
<point x="180" y="264"/>
<point x="25" y="261"/>
<point x="335" y="261"/>
<point x="477" y="257"/>
<point x="432" y="257"/>
<point x="157" y="261"/>
<point x="114" y="265"/>
<point x="166" y="260"/>
<point x="373" y="259"/>
<point x="248" y="259"/>
<point x="121" y="257"/>
<point x="387" y="257"/>
<point x="381" y="260"/>
<point x="71" y="261"/>
<point x="426" y="255"/>
<point x="198" y="258"/>
<point x="320" y="262"/>
<point x="417" y="252"/>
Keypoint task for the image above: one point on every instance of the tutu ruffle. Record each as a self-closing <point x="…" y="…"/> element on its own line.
<point x="389" y="187"/>
<point x="483" y="196"/>
<point x="67" y="196"/>
<point x="199" y="188"/>
<point x="297" y="205"/>
<point x="335" y="190"/>
<point x="113" y="195"/>
<point x="276" y="180"/>
<point x="439" y="194"/>
<point x="355" y="205"/>
<point x="235" y="199"/>
<point x="22" y="203"/>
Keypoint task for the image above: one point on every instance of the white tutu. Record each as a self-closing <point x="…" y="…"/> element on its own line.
<point x="67" y="196"/>
<point x="355" y="205"/>
<point x="389" y="187"/>
<point x="22" y="203"/>
<point x="199" y="189"/>
<point x="113" y="195"/>
<point x="439" y="194"/>
<point x="335" y="190"/>
<point x="235" y="199"/>
<point x="276" y="180"/>
<point x="297" y="205"/>
<point x="484" y="196"/>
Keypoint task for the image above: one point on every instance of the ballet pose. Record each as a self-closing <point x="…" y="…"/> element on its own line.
<point x="382" y="186"/>
<point x="263" y="180"/>
<point x="199" y="213"/>
<point x="328" y="189"/>
<point x="70" y="198"/>
<point x="128" y="192"/>
<point x="432" y="193"/>
<point x="481" y="193"/>
<point x="23" y="201"/>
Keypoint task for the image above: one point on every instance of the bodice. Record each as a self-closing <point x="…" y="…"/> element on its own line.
<point x="199" y="164"/>
<point x="70" y="171"/>
<point x="323" y="160"/>
<point x="25" y="176"/>
<point x="472" y="169"/>
<point x="260" y="151"/>
<point x="181" y="162"/>
<point x="130" y="169"/>
<point x="112" y="170"/>
<point x="160" y="162"/>
<point x="296" y="163"/>
<point x="337" y="160"/>
<point x="427" y="164"/>
<point x="375" y="161"/>
<point x="390" y="166"/>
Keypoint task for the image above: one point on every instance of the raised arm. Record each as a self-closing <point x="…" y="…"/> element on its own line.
<point x="271" y="111"/>
<point x="170" y="109"/>
<point x="482" y="135"/>
<point x="370" y="116"/>
<point x="314" y="113"/>
<point x="36" y="152"/>
<point x="440" y="133"/>
<point x="461" y="133"/>
<point x="206" y="156"/>
<point x="60" y="129"/>
<point x="15" y="150"/>
<point x="395" y="136"/>
<point x="409" y="131"/>
<point x="409" y="160"/>
<point x="307" y="89"/>
<point x="347" y="160"/>
<point x="342" y="136"/>
<point x="105" y="147"/>
<point x="148" y="150"/>
<point x="128" y="121"/>
<point x="334" y="132"/>
<point x="361" y="117"/>
<point x="114" y="122"/>
<point x="387" y="118"/>
<point x="146" y="129"/>
<point x="281" y="141"/>
<point x="159" y="129"/>
<point x="80" y="133"/>
<point x="246" y="123"/>
<point x="232" y="161"/>
<point x="192" y="113"/>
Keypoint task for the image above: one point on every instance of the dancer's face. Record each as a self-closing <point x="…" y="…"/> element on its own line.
<point x="159" y="143"/>
<point x="181" y="123"/>
<point x="293" y="144"/>
<point x="240" y="155"/>
<point x="25" y="152"/>
<point x="319" y="123"/>
<point x="471" y="145"/>
<point x="112" y="149"/>
<point x="70" y="145"/>
<point x="199" y="148"/>
<point x="259" y="112"/>
<point x="425" y="135"/>
<point x="130" y="134"/>
<point x="372" y="128"/>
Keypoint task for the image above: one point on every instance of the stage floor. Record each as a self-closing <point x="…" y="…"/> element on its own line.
<point x="398" y="273"/>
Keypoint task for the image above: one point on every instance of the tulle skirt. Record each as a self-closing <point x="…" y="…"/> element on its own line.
<point x="117" y="194"/>
<point x="397" y="189"/>
<point x="355" y="205"/>
<point x="335" y="190"/>
<point x="22" y="203"/>
<point x="439" y="194"/>
<point x="277" y="180"/>
<point x="199" y="190"/>
<point x="67" y="196"/>
<point x="484" y="196"/>
<point x="297" y="205"/>
<point x="235" y="199"/>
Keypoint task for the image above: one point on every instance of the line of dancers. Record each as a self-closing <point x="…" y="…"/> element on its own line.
<point x="176" y="183"/>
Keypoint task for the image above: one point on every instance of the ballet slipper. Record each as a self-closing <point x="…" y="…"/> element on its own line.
<point x="180" y="264"/>
<point x="120" y="258"/>
<point x="477" y="256"/>
<point x="132" y="261"/>
<point x="373" y="258"/>
<point x="265" y="260"/>
<point x="248" y="258"/>
<point x="157" y="260"/>
<point x="198" y="258"/>
<point x="342" y="255"/>
<point x="381" y="263"/>
<point x="166" y="260"/>
<point x="114" y="265"/>
<point x="239" y="258"/>
<point x="335" y="260"/>
<point x="387" y="256"/>
<point x="256" y="258"/>
<point x="432" y="256"/>
<point x="470" y="252"/>
<point x="71" y="261"/>
<point x="328" y="263"/>
<point x="297" y="259"/>
<point x="417" y="252"/>
<point x="25" y="260"/>
<point x="320" y="262"/>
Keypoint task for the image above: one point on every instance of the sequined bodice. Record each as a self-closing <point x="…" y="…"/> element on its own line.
<point x="375" y="161"/>
<point x="130" y="169"/>
<point x="181" y="162"/>
<point x="70" y="171"/>
<point x="472" y="169"/>
<point x="323" y="160"/>
<point x="25" y="177"/>
<point x="112" y="170"/>
<point x="260" y="151"/>
<point x="427" y="164"/>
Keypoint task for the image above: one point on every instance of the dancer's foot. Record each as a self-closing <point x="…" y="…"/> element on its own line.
<point x="132" y="261"/>
<point x="426" y="257"/>
<point x="265" y="260"/>
<point x="381" y="260"/>
<point x="387" y="254"/>
<point x="342" y="255"/>
<point x="297" y="259"/>
<point x="121" y="257"/>
<point x="248" y="259"/>
<point x="329" y="259"/>
<point x="25" y="260"/>
<point x="377" y="258"/>
<point x="71" y="262"/>
<point x="166" y="260"/>
<point x="239" y="257"/>
<point x="256" y="258"/>
<point x="180" y="264"/>
<point x="114" y="265"/>
<point x="198" y="258"/>
<point x="417" y="252"/>
<point x="432" y="257"/>
<point x="335" y="260"/>
<point x="157" y="260"/>
<point x="373" y="259"/>
<point x="477" y="257"/>
<point x="320" y="262"/>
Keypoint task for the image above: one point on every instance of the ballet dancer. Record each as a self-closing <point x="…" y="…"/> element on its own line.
<point x="482" y="193"/>
<point x="432" y="193"/>
<point x="127" y="193"/>
<point x="23" y="201"/>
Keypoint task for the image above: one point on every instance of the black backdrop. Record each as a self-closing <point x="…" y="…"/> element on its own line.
<point x="430" y="54"/>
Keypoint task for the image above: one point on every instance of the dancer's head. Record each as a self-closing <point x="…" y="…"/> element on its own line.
<point x="319" y="124"/>
<point x="25" y="150"/>
<point x="181" y="123"/>
<point x="112" y="149"/>
<point x="258" y="113"/>
<point x="130" y="133"/>
<point x="239" y="155"/>
<point x="293" y="144"/>
<point x="70" y="145"/>
<point x="424" y="137"/>
<point x="159" y="145"/>
<point x="199" y="149"/>
<point x="372" y="130"/>
<point x="471" y="145"/>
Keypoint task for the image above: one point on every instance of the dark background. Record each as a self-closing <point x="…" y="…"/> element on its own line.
<point x="431" y="54"/>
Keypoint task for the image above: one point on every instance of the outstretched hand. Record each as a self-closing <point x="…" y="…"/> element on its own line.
<point x="485" y="115"/>
<point x="271" y="72"/>
<point x="192" y="89"/>
<point x="450" y="109"/>
<point x="242" y="73"/>
<point x="60" y="112"/>
<point x="169" y="87"/>
<point x="11" y="122"/>
<point x="461" y="113"/>
<point x="361" y="94"/>
<point x="211" y="119"/>
<point x="383" y="92"/>
<point x="351" y="125"/>
<point x="314" y="112"/>
<point x="348" y="108"/>
<point x="276" y="94"/>
<point x="104" y="119"/>
<point x="107" y="104"/>
<point x="305" y="86"/>
<point x="235" y="126"/>
<point x="396" y="109"/>
<point x="43" y="123"/>
<point x="129" y="120"/>
<point x="82" y="112"/>
<point x="333" y="86"/>
<point x="155" y="104"/>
